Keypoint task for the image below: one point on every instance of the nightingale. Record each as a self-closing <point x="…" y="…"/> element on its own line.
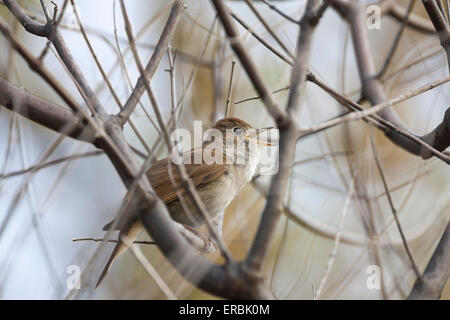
<point x="229" y="158"/>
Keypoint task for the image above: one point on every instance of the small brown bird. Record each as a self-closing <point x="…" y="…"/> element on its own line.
<point x="217" y="182"/>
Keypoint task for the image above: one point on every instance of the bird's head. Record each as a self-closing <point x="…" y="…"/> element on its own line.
<point x="235" y="129"/>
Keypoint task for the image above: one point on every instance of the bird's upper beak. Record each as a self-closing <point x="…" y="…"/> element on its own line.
<point x="254" y="135"/>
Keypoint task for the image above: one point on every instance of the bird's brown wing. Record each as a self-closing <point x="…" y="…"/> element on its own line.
<point x="164" y="184"/>
<point x="161" y="181"/>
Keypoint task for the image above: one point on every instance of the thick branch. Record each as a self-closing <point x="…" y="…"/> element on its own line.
<point x="373" y="90"/>
<point x="44" y="112"/>
<point x="247" y="62"/>
<point x="433" y="280"/>
<point x="36" y="66"/>
<point x="288" y="139"/>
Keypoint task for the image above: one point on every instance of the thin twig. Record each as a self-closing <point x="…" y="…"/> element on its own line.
<point x="247" y="62"/>
<point x="391" y="203"/>
<point x="278" y="187"/>
<point x="437" y="272"/>
<point x="395" y="10"/>
<point x="57" y="23"/>
<point x="173" y="84"/>
<point x="268" y="27"/>
<point x="37" y="67"/>
<point x="230" y="86"/>
<point x="377" y="108"/>
<point x="111" y="240"/>
<point x="51" y="163"/>
<point x="258" y="97"/>
<point x="103" y="73"/>
<point x="127" y="76"/>
<point x="337" y="240"/>
<point x="260" y="38"/>
<point x="396" y="40"/>
<point x="154" y="61"/>
<point x="150" y="269"/>
<point x="24" y="187"/>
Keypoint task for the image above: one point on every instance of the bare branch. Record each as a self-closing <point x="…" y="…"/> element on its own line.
<point x="278" y="188"/>
<point x="29" y="24"/>
<point x="391" y="203"/>
<point x="51" y="163"/>
<point x="152" y="65"/>
<point x="435" y="276"/>
<point x="44" y="112"/>
<point x="441" y="25"/>
<point x="36" y="66"/>
<point x="337" y="240"/>
<point x="150" y="269"/>
<point x="372" y="89"/>
<point x="273" y="108"/>
<point x="260" y="38"/>
<point x="396" y="40"/>
<point x="380" y="107"/>
<point x="398" y="12"/>
<point x="268" y="27"/>
<point x="230" y="87"/>
<point x="280" y="12"/>
<point x="185" y="179"/>
<point x="110" y="240"/>
<point x="150" y="210"/>
<point x="437" y="272"/>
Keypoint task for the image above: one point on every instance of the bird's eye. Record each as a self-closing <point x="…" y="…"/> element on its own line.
<point x="238" y="130"/>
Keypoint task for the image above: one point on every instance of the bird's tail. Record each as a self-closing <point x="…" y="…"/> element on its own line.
<point x="131" y="232"/>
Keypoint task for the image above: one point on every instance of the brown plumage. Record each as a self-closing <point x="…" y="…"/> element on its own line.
<point x="209" y="180"/>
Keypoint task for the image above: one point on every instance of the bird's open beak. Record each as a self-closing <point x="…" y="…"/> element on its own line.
<point x="254" y="137"/>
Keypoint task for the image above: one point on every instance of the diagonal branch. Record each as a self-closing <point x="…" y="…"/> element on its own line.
<point x="431" y="283"/>
<point x="373" y="90"/>
<point x="229" y="281"/>
<point x="248" y="64"/>
<point x="54" y="36"/>
<point x="391" y="202"/>
<point x="440" y="24"/>
<point x="152" y="65"/>
<point x="186" y="181"/>
<point x="43" y="112"/>
<point x="36" y="66"/>
<point x="278" y="187"/>
<point x="268" y="27"/>
<point x="29" y="24"/>
<point x="50" y="163"/>
<point x="398" y="12"/>
<point x="437" y="272"/>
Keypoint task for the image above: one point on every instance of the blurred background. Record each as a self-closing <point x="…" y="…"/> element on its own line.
<point x="335" y="185"/>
